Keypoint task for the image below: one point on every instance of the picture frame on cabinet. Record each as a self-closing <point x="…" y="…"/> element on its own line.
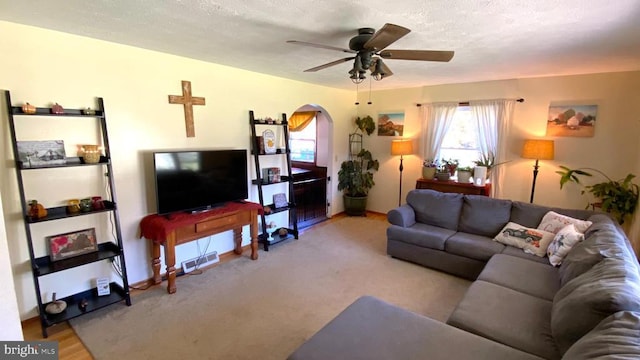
<point x="67" y="245"/>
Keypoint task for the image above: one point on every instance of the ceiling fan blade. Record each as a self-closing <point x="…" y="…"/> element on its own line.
<point x="422" y="55"/>
<point x="320" y="46"/>
<point x="329" y="64"/>
<point x="386" y="36"/>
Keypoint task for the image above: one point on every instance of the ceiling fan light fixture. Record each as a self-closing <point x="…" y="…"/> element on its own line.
<point x="357" y="77"/>
<point x="378" y="73"/>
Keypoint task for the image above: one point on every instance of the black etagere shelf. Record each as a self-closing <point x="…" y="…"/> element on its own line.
<point x="88" y="300"/>
<point x="260" y="182"/>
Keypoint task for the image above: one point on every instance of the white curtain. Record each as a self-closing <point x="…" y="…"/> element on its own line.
<point x="436" y="121"/>
<point x="494" y="119"/>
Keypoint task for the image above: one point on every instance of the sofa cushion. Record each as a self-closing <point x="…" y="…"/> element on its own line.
<point x="423" y="235"/>
<point x="482" y="215"/>
<point x="472" y="246"/>
<point x="610" y="286"/>
<point x="529" y="277"/>
<point x="530" y="240"/>
<point x="513" y="251"/>
<point x="602" y="240"/>
<point x="508" y="317"/>
<point x="562" y="244"/>
<point x="436" y="208"/>
<point x="371" y="329"/>
<point x="527" y="214"/>
<point x="617" y="336"/>
<point x="554" y="222"/>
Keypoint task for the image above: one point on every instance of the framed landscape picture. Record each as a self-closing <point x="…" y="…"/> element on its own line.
<point x="391" y="123"/>
<point x="72" y="244"/>
<point x="572" y="120"/>
<point x="41" y="153"/>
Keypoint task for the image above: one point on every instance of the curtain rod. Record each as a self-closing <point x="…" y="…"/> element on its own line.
<point x="466" y="103"/>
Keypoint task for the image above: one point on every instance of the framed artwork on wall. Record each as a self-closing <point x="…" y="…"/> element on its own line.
<point x="572" y="120"/>
<point x="391" y="123"/>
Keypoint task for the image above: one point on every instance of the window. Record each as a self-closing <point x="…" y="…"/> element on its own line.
<point x="461" y="140"/>
<point x="303" y="143"/>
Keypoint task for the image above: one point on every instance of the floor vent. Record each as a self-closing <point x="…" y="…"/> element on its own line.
<point x="192" y="264"/>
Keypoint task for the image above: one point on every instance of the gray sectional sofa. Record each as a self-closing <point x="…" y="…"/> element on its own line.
<point x="519" y="305"/>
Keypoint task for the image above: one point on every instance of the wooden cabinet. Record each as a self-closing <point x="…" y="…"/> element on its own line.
<point x="450" y="186"/>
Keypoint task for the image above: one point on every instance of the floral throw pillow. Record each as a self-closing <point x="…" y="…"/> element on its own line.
<point x="562" y="243"/>
<point x="554" y="222"/>
<point x="532" y="241"/>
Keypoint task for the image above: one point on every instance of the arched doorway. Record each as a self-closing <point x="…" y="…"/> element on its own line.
<point x="312" y="185"/>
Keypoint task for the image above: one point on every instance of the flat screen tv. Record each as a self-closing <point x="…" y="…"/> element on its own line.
<point x="194" y="180"/>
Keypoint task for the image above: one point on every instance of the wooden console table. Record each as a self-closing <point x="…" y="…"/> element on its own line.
<point x="181" y="228"/>
<point x="450" y="186"/>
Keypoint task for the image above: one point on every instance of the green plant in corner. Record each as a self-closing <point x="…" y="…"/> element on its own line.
<point x="618" y="197"/>
<point x="355" y="177"/>
<point x="366" y="124"/>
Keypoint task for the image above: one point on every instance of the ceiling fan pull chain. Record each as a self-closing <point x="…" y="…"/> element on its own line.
<point x="357" y="102"/>
<point x="369" y="102"/>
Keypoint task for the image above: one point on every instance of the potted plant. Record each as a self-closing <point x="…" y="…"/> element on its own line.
<point x="355" y="177"/>
<point x="488" y="160"/>
<point x="442" y="172"/>
<point x="464" y="174"/>
<point x="618" y="197"/>
<point x="450" y="165"/>
<point x="429" y="168"/>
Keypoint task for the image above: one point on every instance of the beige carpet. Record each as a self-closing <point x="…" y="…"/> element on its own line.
<point x="265" y="309"/>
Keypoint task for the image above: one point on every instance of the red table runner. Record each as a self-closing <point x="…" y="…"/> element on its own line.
<point x="157" y="227"/>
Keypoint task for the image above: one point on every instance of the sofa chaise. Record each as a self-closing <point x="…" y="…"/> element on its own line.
<point x="519" y="306"/>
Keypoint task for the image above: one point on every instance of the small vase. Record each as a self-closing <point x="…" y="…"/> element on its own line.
<point x="428" y="172"/>
<point x="464" y="176"/>
<point x="91" y="154"/>
<point x="443" y="176"/>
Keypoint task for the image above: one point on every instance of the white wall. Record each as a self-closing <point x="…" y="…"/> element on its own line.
<point x="42" y="66"/>
<point x="11" y="329"/>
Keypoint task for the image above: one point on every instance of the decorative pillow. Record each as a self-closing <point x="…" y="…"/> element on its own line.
<point x="532" y="241"/>
<point x="554" y="222"/>
<point x="564" y="240"/>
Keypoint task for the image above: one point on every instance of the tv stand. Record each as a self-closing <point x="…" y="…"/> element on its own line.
<point x="183" y="228"/>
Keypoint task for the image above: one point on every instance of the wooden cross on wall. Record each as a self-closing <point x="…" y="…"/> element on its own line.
<point x="188" y="101"/>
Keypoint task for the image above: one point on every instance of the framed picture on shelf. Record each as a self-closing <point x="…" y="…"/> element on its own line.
<point x="269" y="139"/>
<point x="34" y="154"/>
<point x="64" y="246"/>
<point x="280" y="200"/>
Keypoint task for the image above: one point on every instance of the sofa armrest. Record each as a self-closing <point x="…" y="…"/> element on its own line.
<point x="402" y="216"/>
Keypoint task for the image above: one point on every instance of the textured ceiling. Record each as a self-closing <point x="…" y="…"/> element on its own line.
<point x="492" y="39"/>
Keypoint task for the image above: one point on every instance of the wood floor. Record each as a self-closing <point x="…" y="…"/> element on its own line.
<point x="69" y="345"/>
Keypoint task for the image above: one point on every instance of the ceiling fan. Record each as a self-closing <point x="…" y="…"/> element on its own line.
<point x="369" y="49"/>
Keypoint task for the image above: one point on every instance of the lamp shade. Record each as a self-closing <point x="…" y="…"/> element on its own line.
<point x="401" y="147"/>
<point x="538" y="149"/>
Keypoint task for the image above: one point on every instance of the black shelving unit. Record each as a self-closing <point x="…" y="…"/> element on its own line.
<point x="107" y="250"/>
<point x="260" y="182"/>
